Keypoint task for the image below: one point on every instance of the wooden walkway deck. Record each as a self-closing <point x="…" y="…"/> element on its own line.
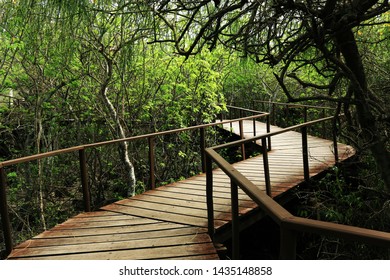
<point x="170" y="222"/>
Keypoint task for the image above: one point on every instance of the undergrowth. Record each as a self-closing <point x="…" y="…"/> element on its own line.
<point x="349" y="195"/>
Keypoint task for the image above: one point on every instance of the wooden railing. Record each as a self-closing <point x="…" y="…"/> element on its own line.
<point x="81" y="150"/>
<point x="289" y="224"/>
<point x="240" y="117"/>
<point x="287" y="106"/>
<point x="284" y="114"/>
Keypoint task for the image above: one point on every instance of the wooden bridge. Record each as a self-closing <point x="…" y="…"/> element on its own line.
<point x="189" y="219"/>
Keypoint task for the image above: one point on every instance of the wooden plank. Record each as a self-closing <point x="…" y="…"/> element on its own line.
<point x="165" y="230"/>
<point x="141" y="203"/>
<point x="200" y="199"/>
<point x="220" y="189"/>
<point x="201" y="193"/>
<point x="177" y="252"/>
<point x="111" y="246"/>
<point x="144" y="235"/>
<point x="197" y="257"/>
<point x="162" y="216"/>
<point x="188" y="204"/>
<point x="100" y="215"/>
<point x="97" y="223"/>
<point x="64" y="231"/>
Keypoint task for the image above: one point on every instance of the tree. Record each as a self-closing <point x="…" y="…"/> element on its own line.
<point x="311" y="43"/>
<point x="108" y="40"/>
<point x="37" y="73"/>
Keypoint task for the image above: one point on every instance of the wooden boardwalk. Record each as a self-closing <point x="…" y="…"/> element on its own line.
<point x="170" y="222"/>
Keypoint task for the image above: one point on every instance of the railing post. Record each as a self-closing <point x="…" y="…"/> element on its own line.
<point x="241" y="125"/>
<point x="152" y="176"/>
<point x="334" y="136"/>
<point x="266" y="167"/>
<point x="254" y="127"/>
<point x="202" y="148"/>
<point x="209" y="197"/>
<point x="5" y="220"/>
<point x="235" y="221"/>
<point x="273" y="114"/>
<point x="84" y="180"/>
<point x="288" y="244"/>
<point x="304" y="114"/>
<point x="305" y="154"/>
<point x="323" y="125"/>
<point x="268" y="131"/>
<point x="287" y="115"/>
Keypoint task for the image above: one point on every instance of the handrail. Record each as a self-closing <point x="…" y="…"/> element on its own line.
<point x="127" y="139"/>
<point x="6" y="225"/>
<point x="41" y="156"/>
<point x="245" y="109"/>
<point x="294" y="105"/>
<point x="270" y="134"/>
<point x="288" y="223"/>
<point x="303" y="107"/>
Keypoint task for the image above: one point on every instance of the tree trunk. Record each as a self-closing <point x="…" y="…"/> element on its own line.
<point x="39" y="132"/>
<point x="124" y="146"/>
<point x="370" y="133"/>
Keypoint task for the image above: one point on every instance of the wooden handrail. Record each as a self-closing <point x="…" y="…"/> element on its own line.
<point x="270" y="134"/>
<point x="265" y="202"/>
<point x="244" y="109"/>
<point x="288" y="223"/>
<point x="41" y="156"/>
<point x="115" y="141"/>
<point x="374" y="237"/>
<point x="294" y="105"/>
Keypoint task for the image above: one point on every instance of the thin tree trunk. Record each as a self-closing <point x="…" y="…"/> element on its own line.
<point x="124" y="146"/>
<point x="39" y="132"/>
<point x="370" y="133"/>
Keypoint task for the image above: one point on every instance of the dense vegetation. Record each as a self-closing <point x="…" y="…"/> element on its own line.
<point x="76" y="72"/>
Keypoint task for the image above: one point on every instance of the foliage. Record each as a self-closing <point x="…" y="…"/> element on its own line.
<point x="340" y="197"/>
<point x="245" y="81"/>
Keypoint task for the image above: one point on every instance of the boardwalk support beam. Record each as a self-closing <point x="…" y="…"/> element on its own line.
<point x="287" y="244"/>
